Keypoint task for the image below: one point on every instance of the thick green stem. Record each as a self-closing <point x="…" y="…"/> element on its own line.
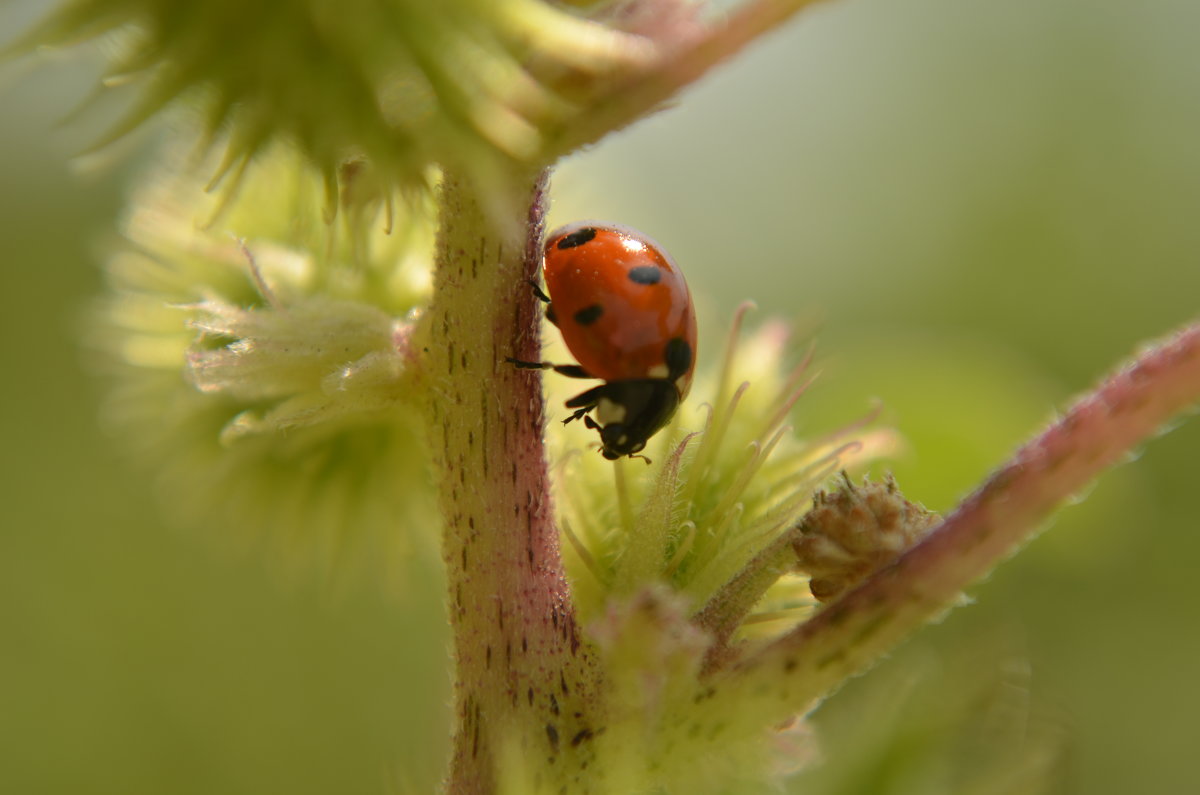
<point x="522" y="683"/>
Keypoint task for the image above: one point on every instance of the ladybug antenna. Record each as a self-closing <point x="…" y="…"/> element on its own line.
<point x="644" y="458"/>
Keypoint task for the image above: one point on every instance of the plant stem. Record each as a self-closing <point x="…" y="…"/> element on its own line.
<point x="522" y="674"/>
<point x="683" y="62"/>
<point x="728" y="608"/>
<point x="852" y="632"/>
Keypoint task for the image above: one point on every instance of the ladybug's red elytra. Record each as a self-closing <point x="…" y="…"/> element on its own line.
<point x="625" y="312"/>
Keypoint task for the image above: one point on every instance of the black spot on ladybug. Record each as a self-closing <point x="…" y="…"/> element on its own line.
<point x="645" y="274"/>
<point x="577" y="238"/>
<point x="678" y="356"/>
<point x="589" y="314"/>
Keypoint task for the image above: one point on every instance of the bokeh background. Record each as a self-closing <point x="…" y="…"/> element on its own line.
<point x="976" y="209"/>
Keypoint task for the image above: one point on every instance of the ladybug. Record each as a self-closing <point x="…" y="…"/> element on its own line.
<point x="625" y="312"/>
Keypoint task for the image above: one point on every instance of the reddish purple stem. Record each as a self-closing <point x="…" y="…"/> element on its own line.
<point x="850" y="634"/>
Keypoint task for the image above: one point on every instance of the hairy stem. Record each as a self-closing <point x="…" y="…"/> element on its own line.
<point x="849" y="635"/>
<point x="728" y="608"/>
<point x="683" y="63"/>
<point x="521" y="669"/>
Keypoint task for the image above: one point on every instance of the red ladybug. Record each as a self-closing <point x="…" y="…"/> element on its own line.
<point x="625" y="312"/>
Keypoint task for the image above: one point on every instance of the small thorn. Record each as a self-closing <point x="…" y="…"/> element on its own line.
<point x="256" y="274"/>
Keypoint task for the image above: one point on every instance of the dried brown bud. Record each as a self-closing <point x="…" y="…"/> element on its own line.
<point x="856" y="530"/>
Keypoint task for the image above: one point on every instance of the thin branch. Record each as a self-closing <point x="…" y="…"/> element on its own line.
<point x="728" y="608"/>
<point x="850" y="634"/>
<point x="683" y="63"/>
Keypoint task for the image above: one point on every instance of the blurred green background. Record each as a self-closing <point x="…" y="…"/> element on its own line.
<point x="979" y="208"/>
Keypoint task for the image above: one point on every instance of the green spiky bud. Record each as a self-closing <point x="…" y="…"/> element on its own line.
<point x="729" y="477"/>
<point x="260" y="360"/>
<point x="478" y="86"/>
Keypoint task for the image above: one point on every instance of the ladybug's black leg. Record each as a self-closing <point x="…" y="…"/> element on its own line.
<point x="579" y="413"/>
<point x="588" y="421"/>
<point x="585" y="402"/>
<point x="569" y="370"/>
<point x="537" y="290"/>
<point x="541" y="295"/>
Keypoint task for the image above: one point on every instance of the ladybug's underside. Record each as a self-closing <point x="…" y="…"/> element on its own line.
<point x="628" y="413"/>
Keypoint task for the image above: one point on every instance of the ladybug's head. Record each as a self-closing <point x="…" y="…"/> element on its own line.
<point x="628" y="413"/>
<point x="616" y="441"/>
